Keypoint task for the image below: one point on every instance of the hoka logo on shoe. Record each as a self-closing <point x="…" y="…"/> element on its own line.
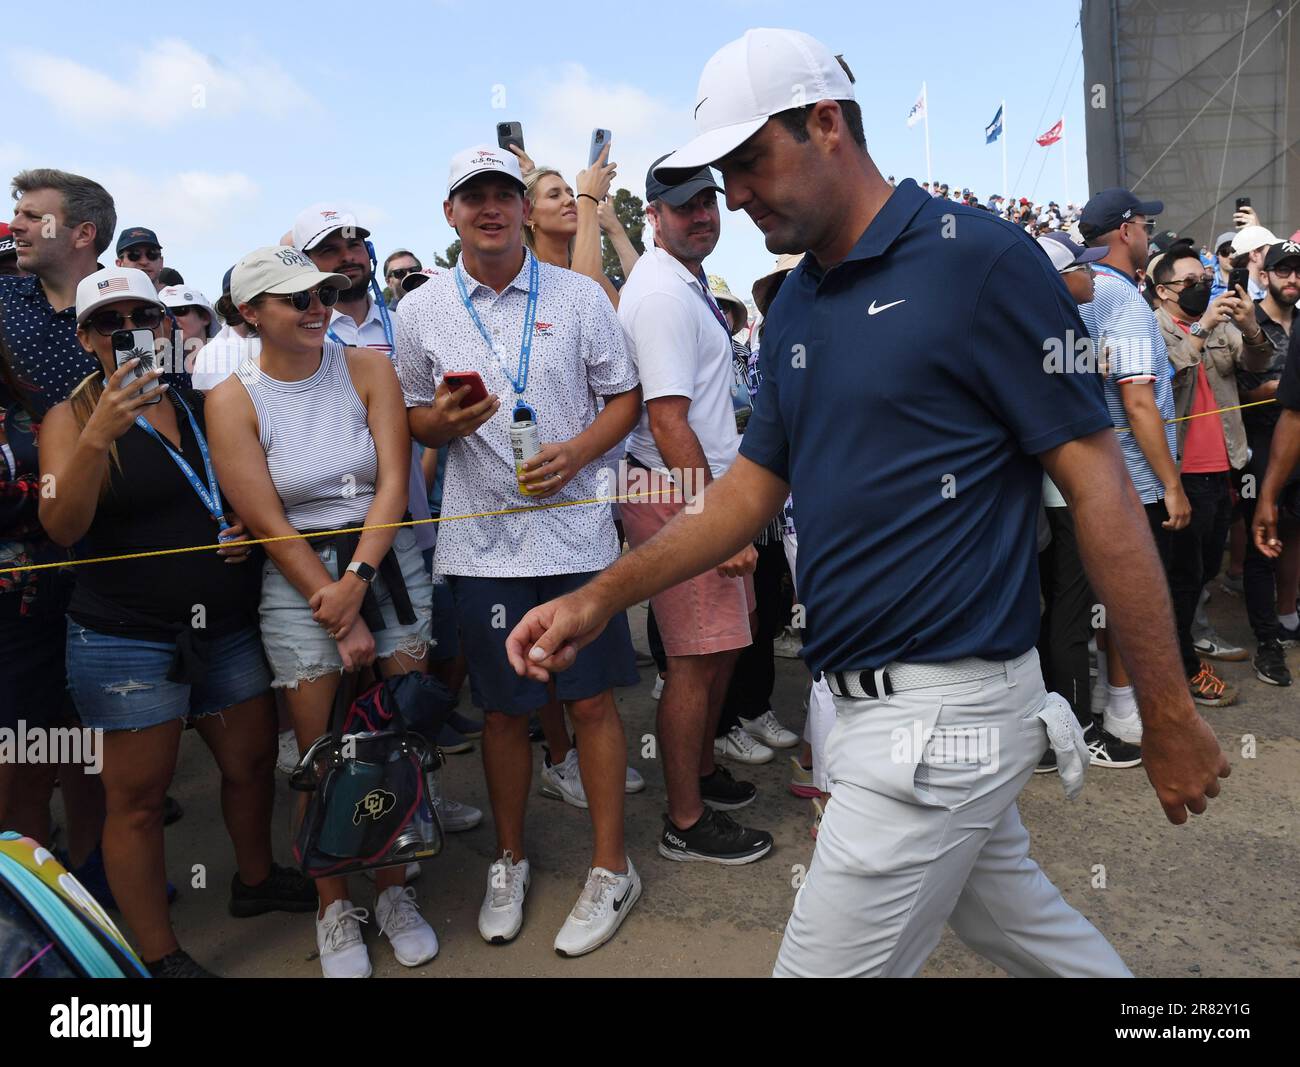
<point x="674" y="840"/>
<point x="374" y="805"/>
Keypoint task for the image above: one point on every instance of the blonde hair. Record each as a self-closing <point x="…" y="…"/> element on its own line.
<point x="84" y="399"/>
<point x="531" y="181"/>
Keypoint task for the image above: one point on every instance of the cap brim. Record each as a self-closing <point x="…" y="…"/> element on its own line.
<point x="678" y="195"/>
<point x="115" y="297"/>
<point x="1150" y="208"/>
<point x="360" y="231"/>
<point x="706" y="149"/>
<point x="486" y="170"/>
<point x="309" y="280"/>
<point x="1091" y="255"/>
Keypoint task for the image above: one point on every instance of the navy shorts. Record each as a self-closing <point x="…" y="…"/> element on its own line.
<point x="445" y="643"/>
<point x="489" y="608"/>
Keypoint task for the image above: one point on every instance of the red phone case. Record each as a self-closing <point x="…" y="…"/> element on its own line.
<point x="477" y="390"/>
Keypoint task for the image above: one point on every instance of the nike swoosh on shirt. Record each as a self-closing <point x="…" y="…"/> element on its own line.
<point x="873" y="310"/>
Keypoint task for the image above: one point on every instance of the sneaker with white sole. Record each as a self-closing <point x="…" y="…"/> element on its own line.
<point x="338" y="939"/>
<point x="768" y="729"/>
<point x="1107" y="750"/>
<point x="605" y="901"/>
<point x="658" y="689"/>
<point x="456" y="817"/>
<point x="502" y="913"/>
<point x="286" y="758"/>
<point x="787" y="644"/>
<point x="1215" y="647"/>
<point x="413" y="939"/>
<point x="1210" y="690"/>
<point x="741" y="747"/>
<point x="563" y="781"/>
<point x="632" y="781"/>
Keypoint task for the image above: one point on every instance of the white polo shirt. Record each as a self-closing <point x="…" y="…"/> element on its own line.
<point x="370" y="334"/>
<point x="221" y="357"/>
<point x="578" y="354"/>
<point x="680" y="349"/>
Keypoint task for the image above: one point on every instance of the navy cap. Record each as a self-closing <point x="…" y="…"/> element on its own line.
<point x="225" y="282"/>
<point x="136" y="235"/>
<point x="677" y="193"/>
<point x="1110" y="208"/>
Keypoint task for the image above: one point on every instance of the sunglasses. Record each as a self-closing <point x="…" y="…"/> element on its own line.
<point x="1183" y="283"/>
<point x="152" y="256"/>
<point x="188" y="309"/>
<point x="1085" y="267"/>
<point x="398" y="273"/>
<point x="416" y="281"/>
<point x="108" y="321"/>
<point x="326" y="294"/>
<point x="1285" y="272"/>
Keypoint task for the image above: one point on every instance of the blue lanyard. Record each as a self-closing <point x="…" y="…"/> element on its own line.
<point x="384" y="320"/>
<point x="211" y="494"/>
<point x="713" y="306"/>
<point x="520" y="378"/>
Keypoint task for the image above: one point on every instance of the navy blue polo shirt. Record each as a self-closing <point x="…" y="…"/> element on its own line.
<point x="47" y="355"/>
<point x="904" y="400"/>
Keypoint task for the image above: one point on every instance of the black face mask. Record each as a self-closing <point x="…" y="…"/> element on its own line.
<point x="1194" y="299"/>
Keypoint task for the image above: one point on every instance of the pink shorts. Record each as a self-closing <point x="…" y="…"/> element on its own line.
<point x="707" y="614"/>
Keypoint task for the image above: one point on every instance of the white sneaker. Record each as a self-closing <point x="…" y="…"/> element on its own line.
<point x="1125" y="727"/>
<point x="658" y="689"/>
<point x="287" y="757"/>
<point x="563" y="781"/>
<point x="787" y="644"/>
<point x="605" y="901"/>
<point x="413" y="939"/>
<point x="633" y="782"/>
<point x="455" y="816"/>
<point x="768" y="729"/>
<point x="739" y="746"/>
<point x="412" y="872"/>
<point x="502" y="913"/>
<point x="338" y="939"/>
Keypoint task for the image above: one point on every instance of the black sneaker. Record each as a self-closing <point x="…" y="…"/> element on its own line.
<point x="720" y="790"/>
<point x="1047" y="764"/>
<point x="1107" y="750"/>
<point x="284" y="889"/>
<point x="716" y="838"/>
<point x="178" y="965"/>
<point x="1290" y="635"/>
<point x="1270" y="664"/>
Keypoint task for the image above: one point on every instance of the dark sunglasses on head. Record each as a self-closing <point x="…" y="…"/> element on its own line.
<point x="328" y="295"/>
<point x="152" y="255"/>
<point x="399" y="273"/>
<point x="108" y="321"/>
<point x="188" y="309"/>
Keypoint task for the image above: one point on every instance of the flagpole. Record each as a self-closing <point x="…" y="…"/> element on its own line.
<point x="925" y="97"/>
<point x="1005" y="192"/>
<point x="1065" y="162"/>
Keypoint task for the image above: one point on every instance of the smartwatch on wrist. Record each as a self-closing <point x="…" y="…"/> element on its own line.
<point x="362" y="570"/>
<point x="1197" y="330"/>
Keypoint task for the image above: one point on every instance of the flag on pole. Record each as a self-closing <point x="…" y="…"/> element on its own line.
<point x="918" y="109"/>
<point x="1053" y="135"/>
<point x="994" y="129"/>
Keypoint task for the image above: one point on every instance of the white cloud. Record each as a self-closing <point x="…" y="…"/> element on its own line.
<point x="170" y="81"/>
<point x="185" y="209"/>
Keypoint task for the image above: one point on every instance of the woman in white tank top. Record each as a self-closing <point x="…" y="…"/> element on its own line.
<point x="313" y="436"/>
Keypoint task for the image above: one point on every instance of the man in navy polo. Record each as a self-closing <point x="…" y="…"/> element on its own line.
<point x="908" y="404"/>
<point x="139" y="248"/>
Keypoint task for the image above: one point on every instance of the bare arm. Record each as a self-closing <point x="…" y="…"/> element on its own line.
<point x="556" y="464"/>
<point x="675" y="439"/>
<point x="1282" y="459"/>
<point x="588" y="259"/>
<point x="376" y="382"/>
<point x="618" y="238"/>
<point x="1139" y="399"/>
<point x="1179" y="750"/>
<point x="445" y="420"/>
<point x="728" y="518"/>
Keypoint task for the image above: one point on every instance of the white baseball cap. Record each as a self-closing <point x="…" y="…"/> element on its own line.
<point x="180" y="296"/>
<point x="482" y="159"/>
<point x="313" y="224"/>
<point x="110" y="285"/>
<point x="278" y="269"/>
<point x="1250" y="238"/>
<point x="751" y="79"/>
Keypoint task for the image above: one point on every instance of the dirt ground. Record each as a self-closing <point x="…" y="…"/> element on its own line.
<point x="1216" y="897"/>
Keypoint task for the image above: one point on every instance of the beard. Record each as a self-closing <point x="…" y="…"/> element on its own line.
<point x="358" y="291"/>
<point x="1275" y="291"/>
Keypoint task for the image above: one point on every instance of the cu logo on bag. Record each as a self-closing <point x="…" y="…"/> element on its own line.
<point x="374" y="805"/>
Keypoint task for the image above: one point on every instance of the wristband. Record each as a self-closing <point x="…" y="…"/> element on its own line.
<point x="589" y="197"/>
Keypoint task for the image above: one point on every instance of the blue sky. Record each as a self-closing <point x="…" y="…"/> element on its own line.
<point x="215" y="124"/>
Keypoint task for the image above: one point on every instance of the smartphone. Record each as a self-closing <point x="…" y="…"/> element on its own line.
<point x="477" y="390"/>
<point x="1239" y="276"/>
<point x="599" y="139"/>
<point x="1243" y="201"/>
<point x="137" y="344"/>
<point x="510" y="133"/>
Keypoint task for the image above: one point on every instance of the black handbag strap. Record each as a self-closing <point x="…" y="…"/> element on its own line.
<point x="348" y="689"/>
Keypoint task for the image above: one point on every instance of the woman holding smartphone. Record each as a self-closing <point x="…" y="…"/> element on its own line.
<point x="310" y="437"/>
<point x="159" y="641"/>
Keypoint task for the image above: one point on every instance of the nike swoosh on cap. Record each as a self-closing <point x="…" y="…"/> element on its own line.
<point x="873" y="310"/>
<point x="696" y="113"/>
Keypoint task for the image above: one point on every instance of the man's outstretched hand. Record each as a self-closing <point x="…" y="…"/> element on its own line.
<point x="548" y="638"/>
<point x="1184" y="763"/>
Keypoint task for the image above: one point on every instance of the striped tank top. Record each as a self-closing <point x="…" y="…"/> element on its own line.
<point x="318" y="445"/>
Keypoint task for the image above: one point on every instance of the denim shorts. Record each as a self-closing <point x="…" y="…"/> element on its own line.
<point x="488" y="609"/>
<point x="120" y="683"/>
<point x="297" y="645"/>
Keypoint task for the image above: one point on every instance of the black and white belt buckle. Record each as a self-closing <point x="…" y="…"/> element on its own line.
<point x="861" y="685"/>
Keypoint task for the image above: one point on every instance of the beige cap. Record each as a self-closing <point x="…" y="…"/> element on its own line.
<point x="765" y="288"/>
<point x="278" y="269"/>
<point x="723" y="295"/>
